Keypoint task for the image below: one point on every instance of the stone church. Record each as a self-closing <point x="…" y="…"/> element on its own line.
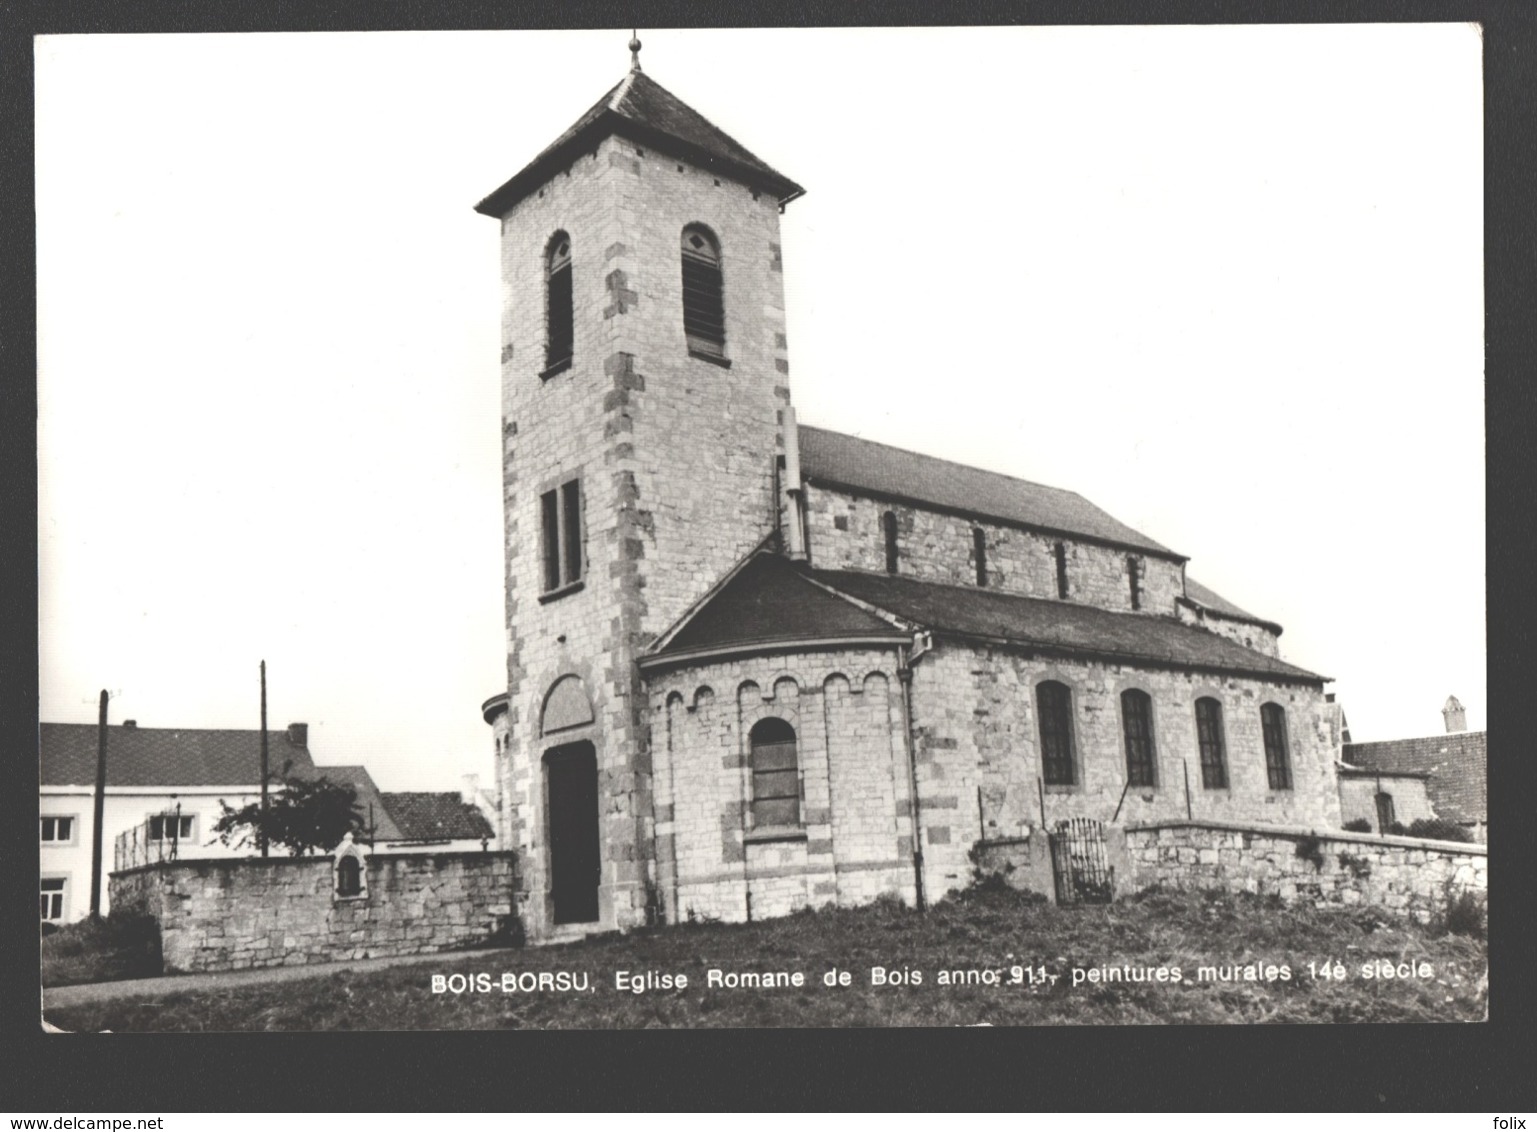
<point x="754" y="666"/>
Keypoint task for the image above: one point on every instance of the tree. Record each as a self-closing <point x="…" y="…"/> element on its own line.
<point x="304" y="815"/>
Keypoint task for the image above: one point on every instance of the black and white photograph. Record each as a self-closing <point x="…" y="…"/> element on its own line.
<point x="756" y="528"/>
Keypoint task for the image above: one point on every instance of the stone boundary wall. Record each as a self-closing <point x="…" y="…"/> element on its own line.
<point x="1409" y="876"/>
<point x="228" y="915"/>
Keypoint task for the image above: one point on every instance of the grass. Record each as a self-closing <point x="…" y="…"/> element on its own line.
<point x="89" y="951"/>
<point x="981" y="929"/>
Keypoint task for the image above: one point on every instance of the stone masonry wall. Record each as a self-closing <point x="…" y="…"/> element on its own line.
<point x="675" y="456"/>
<point x="978" y="751"/>
<point x="854" y="840"/>
<point x="1246" y="633"/>
<point x="845" y="532"/>
<point x="227" y="915"/>
<point x="1358" y="797"/>
<point x="1410" y="876"/>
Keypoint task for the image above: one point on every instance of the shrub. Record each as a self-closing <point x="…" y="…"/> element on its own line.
<point x="1465" y="913"/>
<point x="1310" y="848"/>
<point x="1397" y="828"/>
<point x="1360" y="867"/>
<point x="1358" y="825"/>
<point x="1438" y="829"/>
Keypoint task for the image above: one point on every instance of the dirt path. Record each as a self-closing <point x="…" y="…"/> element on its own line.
<point x="152" y="990"/>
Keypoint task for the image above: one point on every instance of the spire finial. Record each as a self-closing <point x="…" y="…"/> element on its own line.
<point x="634" y="49"/>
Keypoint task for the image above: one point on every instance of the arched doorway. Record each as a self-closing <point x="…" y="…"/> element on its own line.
<point x="571" y="785"/>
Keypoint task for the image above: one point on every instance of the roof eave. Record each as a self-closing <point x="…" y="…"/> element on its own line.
<point x="685" y="657"/>
<point x="611" y="123"/>
<point x="1298" y="676"/>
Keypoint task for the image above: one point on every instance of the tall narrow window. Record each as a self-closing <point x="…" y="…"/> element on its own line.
<point x="1060" y="550"/>
<point x="1277" y="763"/>
<point x="776" y="790"/>
<point x="704" y="308"/>
<point x="979" y="551"/>
<point x="1385" y="817"/>
<point x="1137" y="723"/>
<point x="889" y="529"/>
<point x="1208" y="733"/>
<point x="559" y="323"/>
<point x="1134" y="580"/>
<point x="560" y="514"/>
<point x="1054" y="703"/>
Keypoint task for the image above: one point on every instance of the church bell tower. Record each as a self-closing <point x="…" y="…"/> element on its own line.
<point x="645" y="397"/>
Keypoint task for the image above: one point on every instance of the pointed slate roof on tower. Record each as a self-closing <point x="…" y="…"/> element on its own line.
<point x="641" y="109"/>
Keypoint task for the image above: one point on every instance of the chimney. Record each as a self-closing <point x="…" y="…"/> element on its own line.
<point x="469" y="792"/>
<point x="1456" y="718"/>
<point x="299" y="734"/>
<point x="130" y="723"/>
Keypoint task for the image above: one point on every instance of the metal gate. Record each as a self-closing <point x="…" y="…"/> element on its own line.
<point x="1079" y="862"/>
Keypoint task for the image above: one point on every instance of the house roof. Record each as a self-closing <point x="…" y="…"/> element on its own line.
<point x="154" y="757"/>
<point x="436" y="817"/>
<point x="771" y="600"/>
<point x="640" y="108"/>
<point x="837" y="460"/>
<point x="371" y="801"/>
<point x="1054" y="625"/>
<point x="1214" y="602"/>
<point x="1458" y="764"/>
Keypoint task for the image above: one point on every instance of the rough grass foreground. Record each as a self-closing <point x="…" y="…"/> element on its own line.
<point x="983" y="930"/>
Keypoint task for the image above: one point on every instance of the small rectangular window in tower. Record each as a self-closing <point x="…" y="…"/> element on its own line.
<point x="561" y="527"/>
<point x="1061" y="552"/>
<point x="889" y="529"/>
<point x="1134" y="580"/>
<point x="979" y="550"/>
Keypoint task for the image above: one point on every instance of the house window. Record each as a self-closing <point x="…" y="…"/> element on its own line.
<point x="58" y="831"/>
<point x="776" y="791"/>
<point x="558" y="319"/>
<point x="52" y="894"/>
<point x="979" y="551"/>
<point x="349" y="876"/>
<point x="1385" y="817"/>
<point x="561" y="522"/>
<point x="1277" y="764"/>
<point x="1208" y="732"/>
<point x="1054" y="702"/>
<point x="889" y="529"/>
<point x="170" y="827"/>
<point x="1060" y="550"/>
<point x="704" y="309"/>
<point x="1134" y="580"/>
<point x="1137" y="723"/>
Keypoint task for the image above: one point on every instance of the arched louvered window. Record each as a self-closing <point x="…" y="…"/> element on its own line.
<point x="1054" y="703"/>
<point x="704" y="307"/>
<point x="776" y="789"/>
<point x="1137" y="723"/>
<point x="559" y="321"/>
<point x="1209" y="737"/>
<point x="1277" y="759"/>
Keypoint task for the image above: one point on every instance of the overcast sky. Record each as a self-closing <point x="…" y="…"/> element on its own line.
<point x="1224" y="282"/>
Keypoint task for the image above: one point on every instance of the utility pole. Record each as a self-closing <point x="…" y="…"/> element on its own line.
<point x="100" y="806"/>
<point x="261" y="834"/>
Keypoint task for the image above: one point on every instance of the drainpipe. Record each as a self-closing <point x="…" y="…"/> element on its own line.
<point x="795" y="521"/>
<point x="905" y="679"/>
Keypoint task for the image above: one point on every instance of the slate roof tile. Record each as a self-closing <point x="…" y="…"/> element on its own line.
<point x="641" y="108"/>
<point x="154" y="756"/>
<point x="1458" y="765"/>
<point x="422" y="816"/>
<point x="1058" y="625"/>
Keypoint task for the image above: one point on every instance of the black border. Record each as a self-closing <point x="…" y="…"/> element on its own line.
<point x="1358" y="1068"/>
